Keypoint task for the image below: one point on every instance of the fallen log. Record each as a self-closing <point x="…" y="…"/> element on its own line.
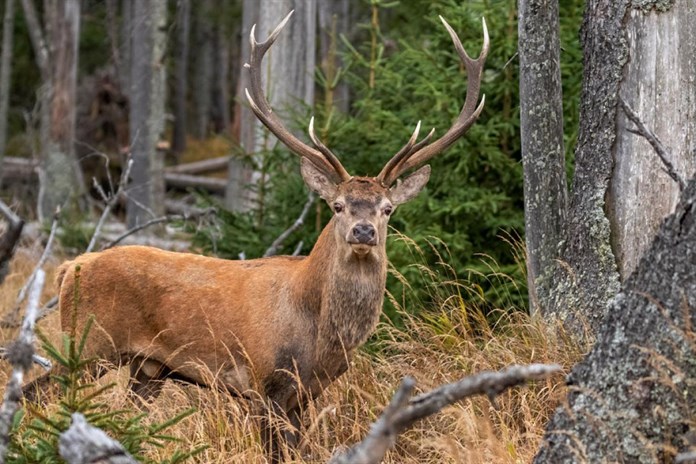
<point x="198" y="167"/>
<point x="212" y="184"/>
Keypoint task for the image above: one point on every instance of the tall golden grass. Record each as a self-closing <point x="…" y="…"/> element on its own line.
<point x="444" y="342"/>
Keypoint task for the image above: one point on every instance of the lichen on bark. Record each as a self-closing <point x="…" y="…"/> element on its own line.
<point x="632" y="398"/>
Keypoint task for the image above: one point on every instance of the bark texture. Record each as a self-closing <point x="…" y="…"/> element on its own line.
<point x="541" y="121"/>
<point x="146" y="192"/>
<point x="585" y="277"/>
<point x="633" y="398"/>
<point x="5" y="67"/>
<point x="183" y="22"/>
<point x="288" y="71"/>
<point x="659" y="85"/>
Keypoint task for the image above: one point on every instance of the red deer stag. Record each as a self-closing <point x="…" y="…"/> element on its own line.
<point x="260" y="325"/>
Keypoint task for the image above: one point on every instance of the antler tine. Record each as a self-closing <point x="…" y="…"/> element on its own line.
<point x="468" y="115"/>
<point x="328" y="155"/>
<point x="405" y="151"/>
<point x="323" y="159"/>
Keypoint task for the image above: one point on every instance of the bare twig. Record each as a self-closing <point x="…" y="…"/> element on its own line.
<point x="401" y="414"/>
<point x="298" y="248"/>
<point x="688" y="457"/>
<point x="654" y="141"/>
<point x="273" y="249"/>
<point x="160" y="220"/>
<point x="9" y="240"/>
<point x="20" y="356"/>
<point x="110" y="201"/>
<point x="85" y="444"/>
<point x="45" y="363"/>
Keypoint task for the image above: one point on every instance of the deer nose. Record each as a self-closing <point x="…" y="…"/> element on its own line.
<point x="364" y="233"/>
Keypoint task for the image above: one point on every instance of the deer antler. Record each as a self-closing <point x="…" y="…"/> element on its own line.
<point x="412" y="155"/>
<point x="321" y="157"/>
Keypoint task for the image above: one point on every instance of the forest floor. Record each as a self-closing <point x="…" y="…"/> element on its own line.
<point x="446" y="343"/>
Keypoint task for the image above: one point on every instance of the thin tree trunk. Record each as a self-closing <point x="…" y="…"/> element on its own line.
<point x="203" y="68"/>
<point x="181" y="86"/>
<point x="239" y="172"/>
<point x="5" y="68"/>
<point x="126" y="44"/>
<point x="541" y="130"/>
<point x="221" y="96"/>
<point x="146" y="193"/>
<point x="334" y="21"/>
<point x="288" y="79"/>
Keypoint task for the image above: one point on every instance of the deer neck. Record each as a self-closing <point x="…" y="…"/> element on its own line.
<point x="350" y="292"/>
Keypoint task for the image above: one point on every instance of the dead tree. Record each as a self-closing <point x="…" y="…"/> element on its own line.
<point x="632" y="398"/>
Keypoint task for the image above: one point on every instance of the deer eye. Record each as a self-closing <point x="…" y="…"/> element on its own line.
<point x="388" y="210"/>
<point x="338" y="207"/>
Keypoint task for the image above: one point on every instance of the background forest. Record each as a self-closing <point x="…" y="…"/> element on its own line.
<point x="390" y="67"/>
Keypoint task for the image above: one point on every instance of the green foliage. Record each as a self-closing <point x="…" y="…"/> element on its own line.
<point x="35" y="432"/>
<point x="403" y="69"/>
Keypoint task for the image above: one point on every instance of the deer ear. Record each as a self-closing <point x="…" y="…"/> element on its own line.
<point x="410" y="187"/>
<point x="317" y="180"/>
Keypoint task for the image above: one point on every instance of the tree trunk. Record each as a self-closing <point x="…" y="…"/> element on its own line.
<point x="585" y="276"/>
<point x="124" y="71"/>
<point x="60" y="174"/>
<point x="632" y="398"/>
<point x="663" y="52"/>
<point x="288" y="79"/>
<point x="334" y="21"/>
<point x="5" y="67"/>
<point x="220" y="106"/>
<point x="146" y="192"/>
<point x="541" y="130"/>
<point x="203" y="68"/>
<point x="181" y="85"/>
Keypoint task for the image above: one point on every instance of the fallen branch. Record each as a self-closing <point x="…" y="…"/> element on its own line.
<point x="273" y="249"/>
<point x="160" y="220"/>
<point x="402" y="412"/>
<point x="110" y="201"/>
<point x="20" y="355"/>
<point x="654" y="141"/>
<point x="85" y="444"/>
<point x="197" y="167"/>
<point x="212" y="184"/>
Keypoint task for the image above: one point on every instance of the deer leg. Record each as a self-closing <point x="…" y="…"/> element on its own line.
<point x="147" y="378"/>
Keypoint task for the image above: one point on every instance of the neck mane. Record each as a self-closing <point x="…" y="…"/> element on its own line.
<point x="346" y="291"/>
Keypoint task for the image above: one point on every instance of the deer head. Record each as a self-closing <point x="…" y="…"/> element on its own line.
<point x="362" y="205"/>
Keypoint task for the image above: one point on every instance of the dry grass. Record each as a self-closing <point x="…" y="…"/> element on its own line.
<point x="452" y="341"/>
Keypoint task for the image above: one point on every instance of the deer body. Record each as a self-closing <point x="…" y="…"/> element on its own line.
<point x="251" y="324"/>
<point x="265" y="324"/>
